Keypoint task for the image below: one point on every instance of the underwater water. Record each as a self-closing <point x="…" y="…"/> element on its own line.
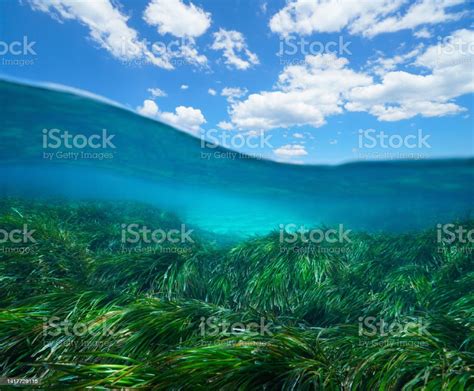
<point x="89" y="298"/>
<point x="237" y="195"/>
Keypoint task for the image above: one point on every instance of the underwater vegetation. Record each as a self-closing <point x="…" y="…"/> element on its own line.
<point x="81" y="307"/>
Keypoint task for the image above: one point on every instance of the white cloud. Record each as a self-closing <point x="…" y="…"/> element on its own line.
<point x="235" y="50"/>
<point x="420" y="13"/>
<point x="186" y="22"/>
<point x="107" y="27"/>
<point x="233" y="93"/>
<point x="184" y="86"/>
<point x="212" y="91"/>
<point x="305" y="17"/>
<point x="382" y="65"/>
<point x="307" y="94"/>
<point x="325" y="85"/>
<point x="156" y="92"/>
<point x="423" y="33"/>
<point x="188" y="51"/>
<point x="185" y="118"/>
<point x="367" y="18"/>
<point x="402" y="95"/>
<point x="224" y="125"/>
<point x="176" y="18"/>
<point x="149" y="108"/>
<point x="455" y="49"/>
<point x="298" y="135"/>
<point x="291" y="150"/>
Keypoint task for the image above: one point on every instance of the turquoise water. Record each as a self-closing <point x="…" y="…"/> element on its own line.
<point x="234" y="195"/>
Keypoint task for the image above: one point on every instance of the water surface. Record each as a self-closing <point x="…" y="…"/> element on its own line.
<point x="240" y="196"/>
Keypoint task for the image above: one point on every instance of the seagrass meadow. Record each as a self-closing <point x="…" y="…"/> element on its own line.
<point x="143" y="265"/>
<point x="79" y="309"/>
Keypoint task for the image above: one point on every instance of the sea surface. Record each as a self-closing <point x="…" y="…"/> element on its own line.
<point x="228" y="194"/>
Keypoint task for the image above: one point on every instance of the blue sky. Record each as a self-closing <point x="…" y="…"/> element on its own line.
<point x="319" y="82"/>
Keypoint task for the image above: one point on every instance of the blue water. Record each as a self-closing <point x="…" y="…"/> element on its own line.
<point x="239" y="196"/>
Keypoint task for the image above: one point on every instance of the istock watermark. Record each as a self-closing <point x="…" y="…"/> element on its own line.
<point x="136" y="238"/>
<point x="454" y="44"/>
<point x="370" y="138"/>
<point x="298" y="239"/>
<point x="17" y="241"/>
<point x="371" y="326"/>
<point x="395" y="331"/>
<point x="292" y="233"/>
<point x="212" y="326"/>
<point x="233" y="141"/>
<point x="60" y="144"/>
<point x="17" y="53"/>
<point x="135" y="233"/>
<point x="292" y="45"/>
<point x="451" y="233"/>
<point x="391" y="146"/>
<point x="17" y="236"/>
<point x="175" y="52"/>
<point x="454" y="238"/>
<point x="55" y="327"/>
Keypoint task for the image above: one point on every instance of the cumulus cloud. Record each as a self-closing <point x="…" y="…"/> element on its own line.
<point x="184" y="86"/>
<point x="176" y="18"/>
<point x="453" y="50"/>
<point x="291" y="150"/>
<point x="325" y="85"/>
<point x="306" y="95"/>
<point x="186" y="118"/>
<point x="235" y="50"/>
<point x="107" y="27"/>
<point x="402" y="95"/>
<point x="148" y="109"/>
<point x="367" y="18"/>
<point x="212" y="91"/>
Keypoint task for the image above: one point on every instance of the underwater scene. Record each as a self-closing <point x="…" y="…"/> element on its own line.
<point x="139" y="251"/>
<point x="152" y="269"/>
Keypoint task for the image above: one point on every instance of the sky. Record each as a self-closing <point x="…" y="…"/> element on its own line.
<point x="298" y="81"/>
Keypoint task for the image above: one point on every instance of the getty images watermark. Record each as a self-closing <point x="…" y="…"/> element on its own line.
<point x="373" y="144"/>
<point x="17" y="53"/>
<point x="59" y="144"/>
